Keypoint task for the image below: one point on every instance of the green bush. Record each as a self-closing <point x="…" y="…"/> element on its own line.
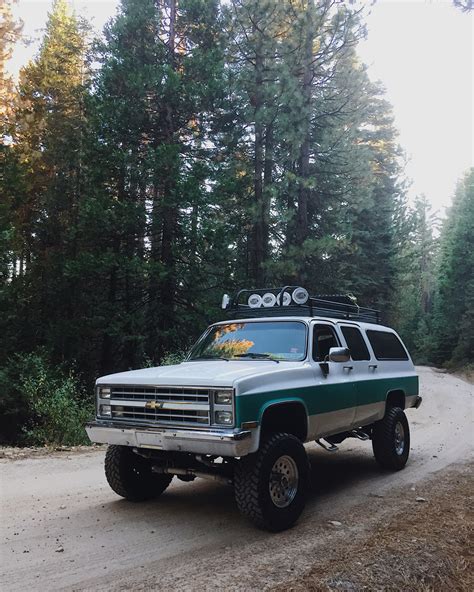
<point x="173" y="358"/>
<point x="46" y="402"/>
<point x="168" y="359"/>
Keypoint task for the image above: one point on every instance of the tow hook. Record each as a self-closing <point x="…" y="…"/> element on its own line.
<point x="418" y="401"/>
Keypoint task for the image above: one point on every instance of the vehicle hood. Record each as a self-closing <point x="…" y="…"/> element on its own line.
<point x="206" y="373"/>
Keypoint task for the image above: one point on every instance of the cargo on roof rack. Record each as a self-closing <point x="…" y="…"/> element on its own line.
<point x="295" y="301"/>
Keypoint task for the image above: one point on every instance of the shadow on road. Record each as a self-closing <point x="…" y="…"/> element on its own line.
<point x="205" y="504"/>
<point x="332" y="472"/>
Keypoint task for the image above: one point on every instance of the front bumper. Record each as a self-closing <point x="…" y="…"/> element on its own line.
<point x="216" y="442"/>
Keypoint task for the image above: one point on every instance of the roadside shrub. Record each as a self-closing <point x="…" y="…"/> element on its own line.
<point x="173" y="358"/>
<point x="14" y="409"/>
<point x="48" y="402"/>
<point x="168" y="359"/>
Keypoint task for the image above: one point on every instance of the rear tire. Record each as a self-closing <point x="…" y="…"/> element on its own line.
<point x="391" y="440"/>
<point x="270" y="485"/>
<point x="130" y="475"/>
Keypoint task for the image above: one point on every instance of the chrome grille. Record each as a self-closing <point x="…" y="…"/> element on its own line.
<point x="163" y="405"/>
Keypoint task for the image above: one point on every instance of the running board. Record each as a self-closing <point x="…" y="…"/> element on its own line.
<point x="360" y="435"/>
<point x="327" y="445"/>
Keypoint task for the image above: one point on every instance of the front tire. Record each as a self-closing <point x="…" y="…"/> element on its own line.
<point x="130" y="475"/>
<point x="391" y="440"/>
<point x="270" y="485"/>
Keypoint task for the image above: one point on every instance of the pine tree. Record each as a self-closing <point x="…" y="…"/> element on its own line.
<point x="153" y="119"/>
<point x="257" y="56"/>
<point x="454" y="306"/>
<point x="10" y="31"/>
<point x="47" y="149"/>
<point x="416" y="257"/>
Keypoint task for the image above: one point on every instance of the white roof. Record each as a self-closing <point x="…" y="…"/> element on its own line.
<point x="307" y="320"/>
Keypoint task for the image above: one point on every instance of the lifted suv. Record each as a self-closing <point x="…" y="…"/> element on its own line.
<point x="288" y="369"/>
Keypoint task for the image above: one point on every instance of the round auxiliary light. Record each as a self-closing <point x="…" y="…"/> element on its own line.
<point x="300" y="296"/>
<point x="286" y="299"/>
<point x="255" y="301"/>
<point x="225" y="301"/>
<point x="269" y="299"/>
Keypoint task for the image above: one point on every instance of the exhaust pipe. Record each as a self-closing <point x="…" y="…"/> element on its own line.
<point x="191" y="473"/>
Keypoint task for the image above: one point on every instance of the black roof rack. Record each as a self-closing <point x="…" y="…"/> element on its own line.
<point x="339" y="306"/>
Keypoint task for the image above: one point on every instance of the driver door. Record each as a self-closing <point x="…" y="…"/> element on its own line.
<point x="332" y="406"/>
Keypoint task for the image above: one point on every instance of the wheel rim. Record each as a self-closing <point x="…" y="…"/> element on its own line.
<point x="399" y="438"/>
<point x="283" y="484"/>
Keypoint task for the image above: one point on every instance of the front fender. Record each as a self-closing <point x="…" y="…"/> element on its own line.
<point x="281" y="401"/>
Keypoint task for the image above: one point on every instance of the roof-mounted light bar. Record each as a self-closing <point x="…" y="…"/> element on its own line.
<point x="269" y="299"/>
<point x="295" y="301"/>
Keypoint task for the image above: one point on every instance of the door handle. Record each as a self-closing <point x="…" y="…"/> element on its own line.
<point x="373" y="366"/>
<point x="348" y="367"/>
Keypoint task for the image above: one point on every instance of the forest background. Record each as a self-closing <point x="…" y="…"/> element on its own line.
<point x="197" y="147"/>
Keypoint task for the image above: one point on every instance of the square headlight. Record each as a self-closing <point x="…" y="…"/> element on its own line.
<point x="105" y="410"/>
<point x="223" y="397"/>
<point x="224" y="417"/>
<point x="103" y="392"/>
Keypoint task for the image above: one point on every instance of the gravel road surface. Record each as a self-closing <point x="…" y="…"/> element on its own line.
<point x="62" y="528"/>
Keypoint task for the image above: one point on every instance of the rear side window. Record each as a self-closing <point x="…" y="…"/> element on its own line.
<point x="355" y="342"/>
<point x="386" y="346"/>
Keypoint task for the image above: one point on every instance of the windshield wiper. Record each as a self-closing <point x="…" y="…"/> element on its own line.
<point x="257" y="356"/>
<point x="209" y="358"/>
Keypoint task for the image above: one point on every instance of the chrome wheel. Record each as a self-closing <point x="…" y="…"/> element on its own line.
<point x="399" y="438"/>
<point x="283" y="484"/>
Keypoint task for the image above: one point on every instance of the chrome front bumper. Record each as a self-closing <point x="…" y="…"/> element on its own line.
<point x="220" y="443"/>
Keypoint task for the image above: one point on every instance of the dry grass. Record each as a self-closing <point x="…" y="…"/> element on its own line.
<point x="429" y="549"/>
<point x="27" y="452"/>
<point x="467" y="373"/>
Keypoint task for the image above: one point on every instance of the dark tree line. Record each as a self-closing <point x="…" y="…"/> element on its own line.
<point x="198" y="147"/>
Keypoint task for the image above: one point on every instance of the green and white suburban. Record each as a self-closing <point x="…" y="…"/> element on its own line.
<point x="288" y="369"/>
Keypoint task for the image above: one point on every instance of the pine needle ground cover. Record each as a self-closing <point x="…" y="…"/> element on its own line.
<point x="426" y="547"/>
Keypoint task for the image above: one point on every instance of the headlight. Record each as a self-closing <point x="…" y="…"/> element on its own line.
<point x="103" y="392"/>
<point x="224" y="417"/>
<point x="223" y="397"/>
<point x="105" y="410"/>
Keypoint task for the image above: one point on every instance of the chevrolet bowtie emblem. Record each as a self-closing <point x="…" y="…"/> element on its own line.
<point x="154" y="405"/>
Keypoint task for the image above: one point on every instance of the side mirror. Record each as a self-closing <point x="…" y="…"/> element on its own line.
<point x="339" y="354"/>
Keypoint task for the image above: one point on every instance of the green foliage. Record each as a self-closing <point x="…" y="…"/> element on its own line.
<point x="453" y="315"/>
<point x="416" y="261"/>
<point x="173" y="358"/>
<point x="434" y="299"/>
<point x="41" y="403"/>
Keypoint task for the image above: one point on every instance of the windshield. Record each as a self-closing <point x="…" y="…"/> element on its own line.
<point x="282" y="340"/>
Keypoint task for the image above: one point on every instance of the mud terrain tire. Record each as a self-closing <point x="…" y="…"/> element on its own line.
<point x="130" y="475"/>
<point x="391" y="440"/>
<point x="271" y="484"/>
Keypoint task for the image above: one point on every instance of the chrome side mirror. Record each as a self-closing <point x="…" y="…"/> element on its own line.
<point x="339" y="354"/>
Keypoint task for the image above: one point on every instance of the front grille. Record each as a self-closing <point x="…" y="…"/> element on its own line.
<point x="163" y="405"/>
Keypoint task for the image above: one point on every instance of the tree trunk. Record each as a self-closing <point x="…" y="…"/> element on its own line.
<point x="169" y="213"/>
<point x="302" y="224"/>
<point x="257" y="235"/>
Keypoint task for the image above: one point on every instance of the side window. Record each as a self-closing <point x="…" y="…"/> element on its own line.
<point x="324" y="338"/>
<point x="355" y="342"/>
<point x="386" y="346"/>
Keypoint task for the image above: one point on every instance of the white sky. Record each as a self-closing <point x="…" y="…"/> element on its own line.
<point x="422" y="51"/>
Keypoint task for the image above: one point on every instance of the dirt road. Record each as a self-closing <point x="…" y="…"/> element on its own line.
<point x="63" y="529"/>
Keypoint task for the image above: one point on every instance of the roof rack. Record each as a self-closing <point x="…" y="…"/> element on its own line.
<point x="339" y="306"/>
